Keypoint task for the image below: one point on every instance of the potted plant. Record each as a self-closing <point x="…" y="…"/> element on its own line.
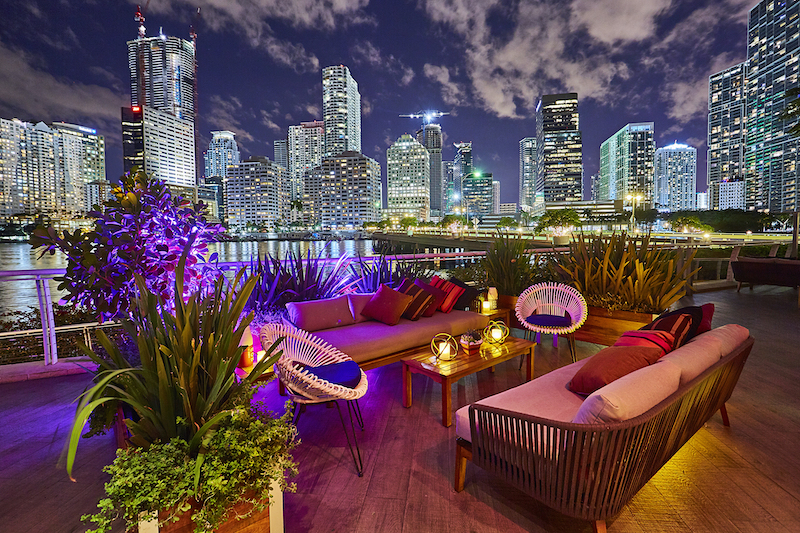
<point x="471" y="341"/>
<point x="201" y="455"/>
<point x="626" y="281"/>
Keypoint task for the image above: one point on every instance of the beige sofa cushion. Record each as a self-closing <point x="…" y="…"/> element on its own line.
<point x="630" y="395"/>
<point x="316" y="315"/>
<point x="369" y="340"/>
<point x="706" y="349"/>
<point x="547" y="396"/>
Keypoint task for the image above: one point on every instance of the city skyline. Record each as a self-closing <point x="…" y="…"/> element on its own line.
<point x="259" y="71"/>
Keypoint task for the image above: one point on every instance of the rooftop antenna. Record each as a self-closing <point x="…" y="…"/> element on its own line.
<point x="139" y="17"/>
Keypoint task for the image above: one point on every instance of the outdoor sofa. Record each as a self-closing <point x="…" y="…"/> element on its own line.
<point x="370" y="343"/>
<point x="587" y="458"/>
<point x="767" y="271"/>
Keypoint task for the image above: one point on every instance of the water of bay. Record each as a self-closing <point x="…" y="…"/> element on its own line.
<point x="20" y="295"/>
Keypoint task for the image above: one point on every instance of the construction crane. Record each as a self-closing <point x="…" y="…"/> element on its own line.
<point x="427" y="116"/>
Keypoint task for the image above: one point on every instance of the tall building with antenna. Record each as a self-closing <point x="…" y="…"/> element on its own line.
<point x="160" y="123"/>
<point x="430" y="136"/>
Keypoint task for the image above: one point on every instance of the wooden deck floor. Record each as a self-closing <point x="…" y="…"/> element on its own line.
<point x="745" y="478"/>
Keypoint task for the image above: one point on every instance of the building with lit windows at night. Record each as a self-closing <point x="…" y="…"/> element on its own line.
<point x="305" y="146"/>
<point x="341" y="111"/>
<point x="726" y="114"/>
<point x="256" y="194"/>
<point x="626" y="164"/>
<point x="676" y="178"/>
<point x="559" y="148"/>
<point x="408" y="189"/>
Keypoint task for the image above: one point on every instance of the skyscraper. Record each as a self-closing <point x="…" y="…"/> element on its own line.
<point x="159" y="143"/>
<point x="462" y="166"/>
<point x="46" y="170"/>
<point x="344" y="192"/>
<point x="408" y="184"/>
<point x="770" y="153"/>
<point x="341" y="111"/>
<point x="280" y="152"/>
<point x="222" y="151"/>
<point x="527" y="171"/>
<point x="256" y="193"/>
<point x="430" y="136"/>
<point x="626" y="163"/>
<point x="726" y="117"/>
<point x="676" y="177"/>
<point x="559" y="148"/>
<point x="448" y="187"/>
<point x="495" y="197"/>
<point x="163" y="74"/>
<point x="306" y="145"/>
<point x="477" y="195"/>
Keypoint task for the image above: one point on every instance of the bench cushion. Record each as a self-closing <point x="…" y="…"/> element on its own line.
<point x="706" y="349"/>
<point x="630" y="395"/>
<point x="546" y="396"/>
<point x="317" y="315"/>
<point x="370" y="340"/>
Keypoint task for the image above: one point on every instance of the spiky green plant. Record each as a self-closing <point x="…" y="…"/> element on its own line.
<point x="186" y="383"/>
<point x="617" y="273"/>
<point x="508" y="264"/>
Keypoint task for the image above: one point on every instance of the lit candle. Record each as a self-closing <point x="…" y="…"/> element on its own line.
<point x="444" y="349"/>
<point x="497" y="334"/>
<point x="259" y="355"/>
<point x="486" y="305"/>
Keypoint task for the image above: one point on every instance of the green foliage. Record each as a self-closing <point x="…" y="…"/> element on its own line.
<point x="691" y="223"/>
<point x="558" y="219"/>
<point x="728" y="220"/>
<point x="616" y="272"/>
<point x="247" y="451"/>
<point x="508" y="265"/>
<point x="448" y="220"/>
<point x="473" y="273"/>
<point x="507" y="222"/>
<point x="407" y="222"/>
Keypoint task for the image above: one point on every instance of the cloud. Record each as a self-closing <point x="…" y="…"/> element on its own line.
<point x="55" y="99"/>
<point x="615" y="21"/>
<point x="267" y="120"/>
<point x="452" y="93"/>
<point x="249" y="18"/>
<point x="227" y="114"/>
<point x="366" y="106"/>
<point x="367" y="53"/>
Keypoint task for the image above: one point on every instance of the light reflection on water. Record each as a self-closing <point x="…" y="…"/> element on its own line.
<point x="19" y="295"/>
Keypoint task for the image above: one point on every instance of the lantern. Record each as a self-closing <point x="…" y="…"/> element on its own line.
<point x="495" y="332"/>
<point x="444" y="347"/>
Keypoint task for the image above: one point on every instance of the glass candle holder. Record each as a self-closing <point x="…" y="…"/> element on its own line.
<point x="495" y="332"/>
<point x="444" y="347"/>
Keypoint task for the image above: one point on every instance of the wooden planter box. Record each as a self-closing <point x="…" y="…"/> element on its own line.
<point x="605" y="327"/>
<point x="268" y="520"/>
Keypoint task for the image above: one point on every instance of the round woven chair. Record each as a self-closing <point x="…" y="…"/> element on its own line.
<point x="302" y="354"/>
<point x="552" y="308"/>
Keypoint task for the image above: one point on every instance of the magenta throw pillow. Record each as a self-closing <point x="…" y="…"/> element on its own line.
<point x="438" y="297"/>
<point x="387" y="305"/>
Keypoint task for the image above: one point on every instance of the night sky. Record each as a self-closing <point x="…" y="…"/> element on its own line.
<point x="485" y="62"/>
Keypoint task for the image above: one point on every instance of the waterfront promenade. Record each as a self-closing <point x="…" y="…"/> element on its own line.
<point x="745" y="478"/>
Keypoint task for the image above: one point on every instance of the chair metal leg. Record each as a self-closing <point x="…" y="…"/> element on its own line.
<point x="357" y="454"/>
<point x="572" y="347"/>
<point x="359" y="416"/>
<point x="297" y="410"/>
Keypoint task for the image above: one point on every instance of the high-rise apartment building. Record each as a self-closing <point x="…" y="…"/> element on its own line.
<point x="160" y="143"/>
<point x="462" y="166"/>
<point x="477" y="198"/>
<point x="306" y="144"/>
<point x="280" y="151"/>
<point x="495" y="197"/>
<point x="162" y="72"/>
<point x="771" y="174"/>
<point x="527" y="171"/>
<point x="676" y="177"/>
<point x="731" y="194"/>
<point x="216" y="184"/>
<point x="222" y="151"/>
<point x="726" y="117"/>
<point x="448" y="187"/>
<point x="430" y="136"/>
<point x="341" y="111"/>
<point x="408" y="184"/>
<point x="256" y="194"/>
<point x="46" y="170"/>
<point x="98" y="192"/>
<point x="343" y="192"/>
<point x="559" y="148"/>
<point x="626" y="164"/>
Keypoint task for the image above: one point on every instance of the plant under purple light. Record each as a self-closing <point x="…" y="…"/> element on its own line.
<point x="144" y="229"/>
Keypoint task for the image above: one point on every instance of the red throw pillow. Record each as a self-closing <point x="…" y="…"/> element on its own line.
<point x="453" y="292"/>
<point x="708" y="314"/>
<point x="610" y="364"/>
<point x="682" y="323"/>
<point x="387" y="305"/>
<point x="663" y="340"/>
<point x="438" y="296"/>
<point x="422" y="299"/>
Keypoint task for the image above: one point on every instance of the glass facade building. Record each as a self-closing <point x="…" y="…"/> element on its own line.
<point x="726" y="118"/>
<point x="430" y="136"/>
<point x="626" y="164"/>
<point x="527" y="171"/>
<point x="408" y="184"/>
<point x="559" y="148"/>
<point x="676" y="178"/>
<point x="341" y="111"/>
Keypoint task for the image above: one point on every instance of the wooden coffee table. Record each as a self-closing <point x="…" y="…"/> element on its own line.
<point x="422" y="361"/>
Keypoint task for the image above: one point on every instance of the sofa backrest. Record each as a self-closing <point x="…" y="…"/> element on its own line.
<point x="316" y="315"/>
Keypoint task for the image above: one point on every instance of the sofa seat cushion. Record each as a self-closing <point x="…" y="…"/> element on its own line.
<point x="706" y="349"/>
<point x="316" y="315"/>
<point x="546" y="396"/>
<point x="370" y="340"/>
<point x="630" y="395"/>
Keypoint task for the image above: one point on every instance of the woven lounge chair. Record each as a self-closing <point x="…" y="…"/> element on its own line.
<point x="552" y="308"/>
<point x="313" y="372"/>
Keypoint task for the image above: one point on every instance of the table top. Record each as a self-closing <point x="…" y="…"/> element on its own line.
<point x="423" y="361"/>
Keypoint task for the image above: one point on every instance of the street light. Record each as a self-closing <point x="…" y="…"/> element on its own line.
<point x="634" y="199"/>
